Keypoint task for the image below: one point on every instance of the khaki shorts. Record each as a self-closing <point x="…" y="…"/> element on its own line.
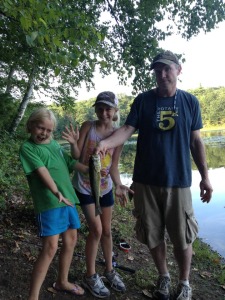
<point x="158" y="209"/>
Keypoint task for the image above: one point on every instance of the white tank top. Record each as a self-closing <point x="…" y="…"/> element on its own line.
<point x="81" y="181"/>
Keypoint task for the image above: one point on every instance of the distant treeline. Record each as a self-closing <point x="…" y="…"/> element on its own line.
<point x="212" y="101"/>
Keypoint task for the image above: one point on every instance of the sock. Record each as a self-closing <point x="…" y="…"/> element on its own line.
<point x="184" y="282"/>
<point x="165" y="275"/>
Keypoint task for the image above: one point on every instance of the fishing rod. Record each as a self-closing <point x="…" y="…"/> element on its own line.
<point x="114" y="263"/>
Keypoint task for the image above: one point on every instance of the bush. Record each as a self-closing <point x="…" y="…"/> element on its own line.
<point x="13" y="182"/>
<point x="8" y="107"/>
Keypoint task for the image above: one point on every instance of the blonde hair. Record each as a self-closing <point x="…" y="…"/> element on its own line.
<point x="40" y="115"/>
<point x="116" y="119"/>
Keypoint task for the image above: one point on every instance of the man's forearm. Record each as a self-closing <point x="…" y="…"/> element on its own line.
<point x="118" y="137"/>
<point x="199" y="156"/>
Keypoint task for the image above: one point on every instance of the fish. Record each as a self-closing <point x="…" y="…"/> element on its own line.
<point x="95" y="180"/>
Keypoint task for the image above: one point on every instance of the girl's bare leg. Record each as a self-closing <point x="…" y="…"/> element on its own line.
<point x="49" y="248"/>
<point x="106" y="239"/>
<point x="69" y="240"/>
<point x="93" y="238"/>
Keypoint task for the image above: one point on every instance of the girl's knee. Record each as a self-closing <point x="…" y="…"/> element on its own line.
<point x="50" y="250"/>
<point x="96" y="231"/>
<point x="70" y="237"/>
<point x="73" y="242"/>
<point x="106" y="233"/>
<point x="50" y="247"/>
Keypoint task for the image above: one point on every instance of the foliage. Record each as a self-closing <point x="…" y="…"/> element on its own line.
<point x="124" y="106"/>
<point x="128" y="156"/>
<point x="12" y="180"/>
<point x="212" y="101"/>
<point x="8" y="107"/>
<point x="51" y="47"/>
<point x="203" y="252"/>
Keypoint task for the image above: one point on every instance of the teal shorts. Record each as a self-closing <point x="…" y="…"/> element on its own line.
<point x="57" y="220"/>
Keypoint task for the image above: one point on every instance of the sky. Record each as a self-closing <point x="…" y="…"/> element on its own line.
<point x="204" y="66"/>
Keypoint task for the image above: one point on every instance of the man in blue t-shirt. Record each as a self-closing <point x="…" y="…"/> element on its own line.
<point x="168" y="121"/>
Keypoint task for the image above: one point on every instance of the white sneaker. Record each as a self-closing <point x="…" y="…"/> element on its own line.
<point x="162" y="291"/>
<point x="184" y="292"/>
<point x="115" y="281"/>
<point x="96" y="286"/>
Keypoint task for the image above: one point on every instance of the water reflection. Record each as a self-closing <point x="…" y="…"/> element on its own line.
<point x="211" y="216"/>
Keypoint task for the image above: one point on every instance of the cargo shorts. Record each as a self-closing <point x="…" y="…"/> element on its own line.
<point x="161" y="209"/>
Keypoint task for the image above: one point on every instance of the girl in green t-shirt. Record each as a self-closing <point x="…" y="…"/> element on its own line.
<point x="47" y="168"/>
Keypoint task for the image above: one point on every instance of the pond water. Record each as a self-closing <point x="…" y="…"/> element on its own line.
<point x="210" y="216"/>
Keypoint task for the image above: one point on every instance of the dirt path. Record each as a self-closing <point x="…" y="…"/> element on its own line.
<point x="19" y="248"/>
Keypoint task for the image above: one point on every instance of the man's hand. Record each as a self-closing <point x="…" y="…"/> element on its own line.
<point x="101" y="149"/>
<point x="205" y="190"/>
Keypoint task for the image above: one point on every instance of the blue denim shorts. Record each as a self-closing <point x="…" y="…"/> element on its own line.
<point x="106" y="200"/>
<point x="57" y="220"/>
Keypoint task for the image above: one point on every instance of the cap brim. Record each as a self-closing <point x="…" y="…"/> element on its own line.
<point x="105" y="102"/>
<point x="162" y="61"/>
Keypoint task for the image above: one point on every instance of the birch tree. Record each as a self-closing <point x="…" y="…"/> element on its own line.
<point x="68" y="40"/>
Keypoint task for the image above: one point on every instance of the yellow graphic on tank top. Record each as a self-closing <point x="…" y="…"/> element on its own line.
<point x="106" y="164"/>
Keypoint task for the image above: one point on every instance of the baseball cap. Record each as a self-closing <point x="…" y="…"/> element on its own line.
<point x="166" y="57"/>
<point x="108" y="98"/>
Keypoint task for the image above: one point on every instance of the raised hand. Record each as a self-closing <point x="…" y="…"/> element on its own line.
<point x="71" y="135"/>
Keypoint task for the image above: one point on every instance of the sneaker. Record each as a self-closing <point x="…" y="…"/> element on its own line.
<point x="162" y="291"/>
<point x="96" y="286"/>
<point x="184" y="292"/>
<point x="115" y="281"/>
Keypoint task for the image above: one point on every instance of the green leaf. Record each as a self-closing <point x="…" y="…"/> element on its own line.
<point x="29" y="40"/>
<point x="43" y="22"/>
<point x="56" y="71"/>
<point x="34" y="35"/>
<point x="103" y="64"/>
<point x="57" y="42"/>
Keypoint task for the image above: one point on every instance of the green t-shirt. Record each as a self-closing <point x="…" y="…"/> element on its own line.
<point x="59" y="165"/>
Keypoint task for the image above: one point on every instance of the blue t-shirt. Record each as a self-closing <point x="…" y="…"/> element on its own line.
<point x="164" y="128"/>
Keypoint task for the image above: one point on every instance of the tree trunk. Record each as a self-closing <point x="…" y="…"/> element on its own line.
<point x="9" y="81"/>
<point x="24" y="102"/>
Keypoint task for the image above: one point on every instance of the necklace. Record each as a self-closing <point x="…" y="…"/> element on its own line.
<point x="175" y="113"/>
<point x="165" y="119"/>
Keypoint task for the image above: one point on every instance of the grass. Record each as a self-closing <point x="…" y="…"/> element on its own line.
<point x="203" y="252"/>
<point x="205" y="259"/>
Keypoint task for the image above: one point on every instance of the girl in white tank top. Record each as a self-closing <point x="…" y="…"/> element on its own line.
<point x="83" y="144"/>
